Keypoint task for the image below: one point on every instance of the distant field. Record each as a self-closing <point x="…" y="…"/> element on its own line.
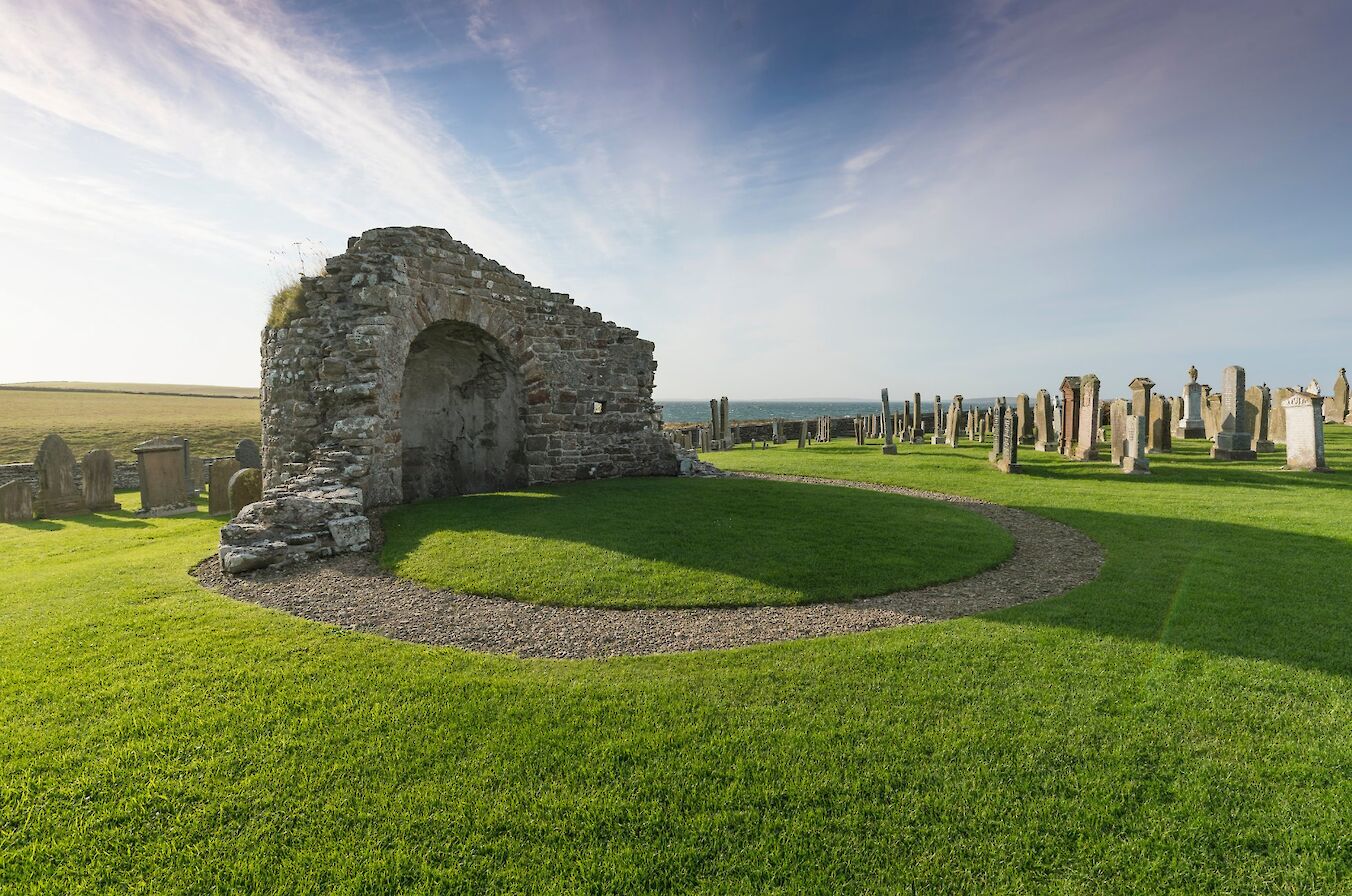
<point x="138" y="388"/>
<point x="102" y="418"/>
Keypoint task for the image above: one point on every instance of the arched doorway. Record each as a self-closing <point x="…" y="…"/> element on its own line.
<point x="460" y="414"/>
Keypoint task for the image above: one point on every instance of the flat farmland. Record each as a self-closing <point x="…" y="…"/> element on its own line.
<point x="118" y="421"/>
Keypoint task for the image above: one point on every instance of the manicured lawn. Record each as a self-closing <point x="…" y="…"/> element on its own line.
<point x="119" y="421"/>
<point x="688" y="543"/>
<point x="1182" y="724"/>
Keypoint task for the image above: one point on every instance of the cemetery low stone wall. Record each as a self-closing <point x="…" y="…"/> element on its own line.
<point x="125" y="476"/>
<point x="841" y="428"/>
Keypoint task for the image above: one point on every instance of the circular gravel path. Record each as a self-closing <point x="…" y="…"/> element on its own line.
<point x="354" y="592"/>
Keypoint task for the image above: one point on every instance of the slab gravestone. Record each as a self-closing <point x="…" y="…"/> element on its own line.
<point x="1008" y="461"/>
<point x="1257" y="404"/>
<point x="1135" y="460"/>
<point x="57" y="494"/>
<point x="1043" y="414"/>
<point x="96" y="480"/>
<point x="1234" y="438"/>
<point x="164" y="490"/>
<point x="1088" y="448"/>
<point x="1070" y="415"/>
<point x="1305" y="432"/>
<point x="1336" y="407"/>
<point x="889" y="445"/>
<point x="1117" y="429"/>
<point x="1277" y="415"/>
<point x="16" y="501"/>
<point x="245" y="487"/>
<point x="246" y="453"/>
<point x="938" y="438"/>
<point x="218" y="491"/>
<point x="1191" y="425"/>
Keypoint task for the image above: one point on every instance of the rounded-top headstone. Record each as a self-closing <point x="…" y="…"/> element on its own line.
<point x="246" y="452"/>
<point x="57" y="493"/>
<point x="246" y="487"/>
<point x="96" y="478"/>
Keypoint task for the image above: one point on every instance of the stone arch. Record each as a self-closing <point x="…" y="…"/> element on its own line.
<point x="461" y="414"/>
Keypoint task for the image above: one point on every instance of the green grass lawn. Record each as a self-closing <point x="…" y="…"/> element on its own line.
<point x="688" y="543"/>
<point x="119" y="421"/>
<point x="1181" y="724"/>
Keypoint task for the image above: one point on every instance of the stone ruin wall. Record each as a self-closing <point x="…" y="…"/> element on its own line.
<point x="527" y="365"/>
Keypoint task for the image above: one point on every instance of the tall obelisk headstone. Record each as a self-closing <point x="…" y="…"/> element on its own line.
<point x="1234" y="439"/>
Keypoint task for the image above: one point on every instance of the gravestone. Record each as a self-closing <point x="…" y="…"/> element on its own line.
<point x="1190" y="422"/>
<point x="1135" y="461"/>
<point x="777" y="431"/>
<point x="802" y="434"/>
<point x="1117" y="429"/>
<point x="96" y="480"/>
<point x="1141" y="390"/>
<point x="1043" y="414"/>
<point x="1087" y="447"/>
<point x="1008" y="461"/>
<point x="1070" y="415"/>
<point x="1277" y="415"/>
<point x="917" y="421"/>
<point x="939" y="437"/>
<point x="188" y="484"/>
<point x="57" y="495"/>
<point x="1304" y="413"/>
<point x="16" y="501"/>
<point x="1335" y="406"/>
<point x="725" y="430"/>
<point x="245" y="487"/>
<point x="889" y="445"/>
<point x="246" y="452"/>
<point x="998" y="430"/>
<point x="1211" y="414"/>
<point x="1257" y="403"/>
<point x="1024" y="408"/>
<point x="164" y="491"/>
<point x="954" y="414"/>
<point x="1234" y="439"/>
<point x="218" y="494"/>
<point x="1159" y="438"/>
<point x="713" y="426"/>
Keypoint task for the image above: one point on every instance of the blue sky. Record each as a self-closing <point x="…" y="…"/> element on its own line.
<point x="790" y="199"/>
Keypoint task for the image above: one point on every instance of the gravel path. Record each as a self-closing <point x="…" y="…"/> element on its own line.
<point x="353" y="592"/>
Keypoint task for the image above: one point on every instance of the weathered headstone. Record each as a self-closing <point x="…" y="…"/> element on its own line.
<point x="16" y="501"/>
<point x="1277" y="415"/>
<point x="951" y="429"/>
<point x="917" y="420"/>
<point x="939" y="437"/>
<point x="1141" y="390"/>
<point x="889" y="445"/>
<point x="1043" y="414"/>
<point x="245" y="487"/>
<point x="1191" y="424"/>
<point x="1211" y="415"/>
<point x="1305" y="432"/>
<point x="1087" y="448"/>
<point x="725" y="431"/>
<point x="246" y="452"/>
<point x="1008" y="461"/>
<point x="1257" y="403"/>
<point x="1135" y="460"/>
<point x="57" y="494"/>
<point x="1234" y="439"/>
<point x="1335" y="406"/>
<point x="713" y="427"/>
<point x="218" y="494"/>
<point x="1117" y="429"/>
<point x="96" y="480"/>
<point x="1161" y="425"/>
<point x="1024" y="408"/>
<point x="164" y="491"/>
<point x="1070" y="415"/>
<point x="998" y="422"/>
<point x="191" y="487"/>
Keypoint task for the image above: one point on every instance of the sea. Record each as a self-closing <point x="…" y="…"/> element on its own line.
<point x="793" y="409"/>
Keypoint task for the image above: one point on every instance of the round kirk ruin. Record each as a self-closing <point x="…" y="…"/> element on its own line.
<point x="415" y="368"/>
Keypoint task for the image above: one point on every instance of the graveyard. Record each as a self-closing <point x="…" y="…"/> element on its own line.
<point x="1176" y="721"/>
<point x="729" y="448"/>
